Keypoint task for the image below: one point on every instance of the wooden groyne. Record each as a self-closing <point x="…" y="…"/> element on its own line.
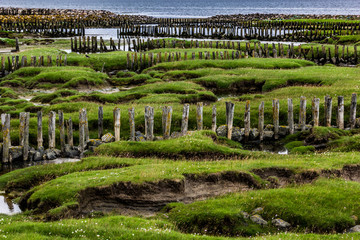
<point x="262" y="132"/>
<point x="242" y="30"/>
<point x="10" y="64"/>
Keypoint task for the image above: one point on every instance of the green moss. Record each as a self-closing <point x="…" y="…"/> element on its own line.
<point x="303" y="150"/>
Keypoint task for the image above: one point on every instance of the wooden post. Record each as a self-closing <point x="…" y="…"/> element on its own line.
<point x="132" y="123"/>
<point x="17" y="48"/>
<point x="51" y="129"/>
<point x="315" y="111"/>
<point x="230" y="107"/>
<point x="353" y="111"/>
<point x="213" y="125"/>
<point x="291" y="115"/>
<point x="261" y="121"/>
<point x="39" y="130"/>
<point x="101" y="121"/>
<point x="87" y="137"/>
<point x="5" y="121"/>
<point x="340" y="113"/>
<point x="302" y="113"/>
<point x="328" y="109"/>
<point x="82" y="130"/>
<point x="69" y="126"/>
<point x="166" y="121"/>
<point x="276" y="108"/>
<point x="199" y="115"/>
<point x="149" y="123"/>
<point x="24" y="134"/>
<point x="117" y="123"/>
<point x="247" y="119"/>
<point x="62" y="130"/>
<point x="185" y="119"/>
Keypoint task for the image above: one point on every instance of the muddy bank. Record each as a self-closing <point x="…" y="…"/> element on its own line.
<point x="148" y="198"/>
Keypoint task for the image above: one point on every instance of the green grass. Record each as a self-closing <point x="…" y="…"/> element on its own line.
<point x="200" y="144"/>
<point x="61" y="77"/>
<point x="323" y="206"/>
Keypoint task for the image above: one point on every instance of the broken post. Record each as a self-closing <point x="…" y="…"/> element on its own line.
<point x="185" y="119"/>
<point x="117" y="123"/>
<point x="39" y="130"/>
<point x="275" y="105"/>
<point x="100" y="122"/>
<point x="315" y="111"/>
<point x="166" y="121"/>
<point x="230" y="107"/>
<point x="51" y="129"/>
<point x="353" y="111"/>
<point x="132" y="123"/>
<point x="340" y="112"/>
<point x="247" y="119"/>
<point x="302" y="113"/>
<point x="261" y="121"/>
<point x="327" y="109"/>
<point x="291" y="116"/>
<point x="199" y="115"/>
<point x="5" y="121"/>
<point x="81" y="130"/>
<point x="213" y="125"/>
<point x="149" y="123"/>
<point x="70" y="136"/>
<point x="62" y="130"/>
<point x="24" y="134"/>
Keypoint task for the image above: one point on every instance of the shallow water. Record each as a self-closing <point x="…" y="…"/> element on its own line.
<point x="7" y="206"/>
<point x="199" y="8"/>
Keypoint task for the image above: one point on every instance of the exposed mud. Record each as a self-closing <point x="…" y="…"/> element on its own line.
<point x="148" y="198"/>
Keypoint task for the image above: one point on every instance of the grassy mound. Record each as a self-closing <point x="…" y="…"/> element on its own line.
<point x="60" y="77"/>
<point x="202" y="145"/>
<point x="324" y="206"/>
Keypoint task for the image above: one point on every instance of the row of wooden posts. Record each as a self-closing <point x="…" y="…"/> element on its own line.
<point x="261" y="30"/>
<point x="138" y="61"/>
<point x="166" y="122"/>
<point x="10" y="64"/>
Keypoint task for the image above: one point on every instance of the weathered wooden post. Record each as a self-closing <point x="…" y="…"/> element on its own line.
<point x="302" y="113"/>
<point x="340" y="112"/>
<point x="291" y="116"/>
<point x="101" y="121"/>
<point x="261" y="121"/>
<point x="149" y="123"/>
<point x="328" y="109"/>
<point x="70" y="135"/>
<point x="117" y="123"/>
<point x="247" y="119"/>
<point x="166" y="121"/>
<point x="51" y="129"/>
<point x="185" y="119"/>
<point x="132" y="123"/>
<point x="87" y="137"/>
<point x="276" y="108"/>
<point x="39" y="130"/>
<point x="24" y="134"/>
<point x="17" y="48"/>
<point x="230" y="107"/>
<point x="213" y="125"/>
<point x="81" y="130"/>
<point x="62" y="130"/>
<point x="353" y="111"/>
<point x="199" y="115"/>
<point x="5" y="122"/>
<point x="315" y="111"/>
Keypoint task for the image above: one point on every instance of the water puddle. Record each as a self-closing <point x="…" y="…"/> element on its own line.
<point x="7" y="206"/>
<point x="276" y="148"/>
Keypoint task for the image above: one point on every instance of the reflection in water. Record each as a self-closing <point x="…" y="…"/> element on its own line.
<point x="266" y="147"/>
<point x="7" y="206"/>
